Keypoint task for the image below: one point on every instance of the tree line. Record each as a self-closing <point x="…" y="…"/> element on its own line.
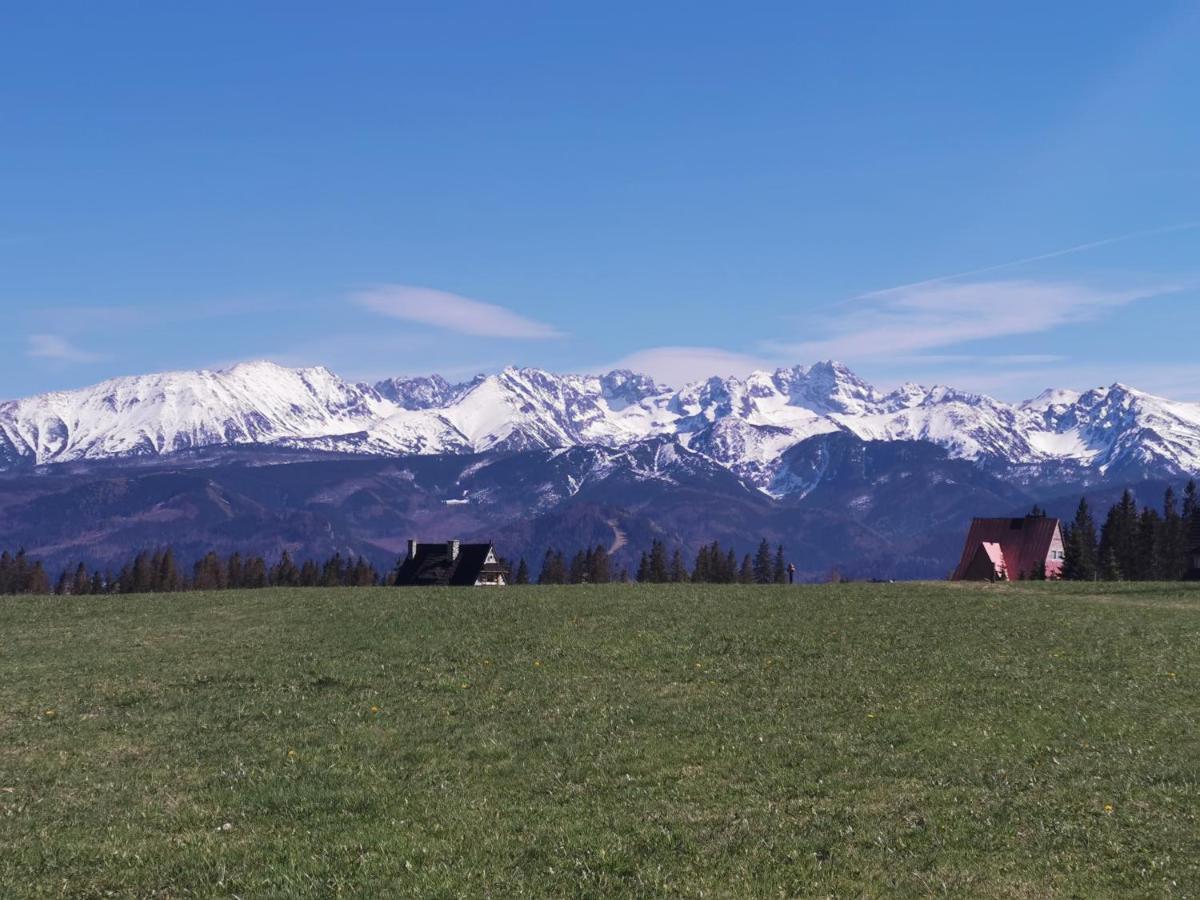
<point x="158" y="572"/>
<point x="712" y="565"/>
<point x="1133" y="544"/>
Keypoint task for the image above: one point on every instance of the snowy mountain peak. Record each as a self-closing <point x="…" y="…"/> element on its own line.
<point x="743" y="425"/>
<point x="829" y="386"/>
<point x="1051" y="398"/>
<point x="422" y="392"/>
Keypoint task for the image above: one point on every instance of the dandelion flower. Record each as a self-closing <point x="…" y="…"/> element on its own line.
<point x="1108" y="809"/>
<point x="51" y="713"/>
<point x="374" y="710"/>
<point x="537" y="663"/>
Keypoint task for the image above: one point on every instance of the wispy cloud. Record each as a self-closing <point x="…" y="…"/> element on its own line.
<point x="935" y="315"/>
<point x="56" y="347"/>
<point x="677" y="366"/>
<point x="451" y="312"/>
<point x="1053" y="254"/>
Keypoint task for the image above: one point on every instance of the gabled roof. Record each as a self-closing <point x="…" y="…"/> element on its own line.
<point x="431" y="565"/>
<point x="1023" y="543"/>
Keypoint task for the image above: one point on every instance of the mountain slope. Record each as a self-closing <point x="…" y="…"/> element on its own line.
<point x="872" y="509"/>
<point x="744" y="425"/>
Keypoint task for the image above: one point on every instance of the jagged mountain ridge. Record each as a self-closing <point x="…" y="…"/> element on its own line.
<point x="744" y="425"/>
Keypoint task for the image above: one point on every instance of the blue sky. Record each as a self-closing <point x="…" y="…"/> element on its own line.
<point x="402" y="188"/>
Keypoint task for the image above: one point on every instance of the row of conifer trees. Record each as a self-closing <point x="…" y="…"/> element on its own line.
<point x="713" y="564"/>
<point x="1133" y="544"/>
<point x="158" y="572"/>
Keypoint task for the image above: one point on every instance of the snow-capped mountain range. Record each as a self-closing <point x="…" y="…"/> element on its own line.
<point x="744" y="425"/>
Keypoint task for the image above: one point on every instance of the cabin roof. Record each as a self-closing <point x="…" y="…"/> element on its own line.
<point x="1022" y="542"/>
<point x="432" y="565"/>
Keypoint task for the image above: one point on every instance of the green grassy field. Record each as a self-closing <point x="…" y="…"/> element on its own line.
<point x="853" y="740"/>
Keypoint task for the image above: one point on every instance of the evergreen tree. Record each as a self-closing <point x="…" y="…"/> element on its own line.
<point x="600" y="566"/>
<point x="643" y="569"/>
<point x="1119" y="537"/>
<point x="579" y="568"/>
<point x="729" y="568"/>
<point x="363" y="574"/>
<point x="38" y="582"/>
<point x="142" y="575"/>
<point x="21" y="572"/>
<point x="80" y="582"/>
<point x="547" y="572"/>
<point x="284" y="573"/>
<point x="746" y="575"/>
<point x="1079" y="546"/>
<point x="333" y="572"/>
<point x="1173" y="541"/>
<point x="658" y="562"/>
<point x="1191" y="501"/>
<point x="763" y="568"/>
<point x="522" y="576"/>
<point x="716" y="564"/>
<point x="1147" y="560"/>
<point x="208" y="574"/>
<point x="256" y="573"/>
<point x="236" y="570"/>
<point x="168" y="573"/>
<point x="702" y="571"/>
<point x="554" y="568"/>
<point x="678" y="569"/>
<point x="1110" y="568"/>
<point x="62" y="587"/>
<point x="780" y="571"/>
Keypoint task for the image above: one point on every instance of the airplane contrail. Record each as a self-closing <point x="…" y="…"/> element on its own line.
<point x="1078" y="248"/>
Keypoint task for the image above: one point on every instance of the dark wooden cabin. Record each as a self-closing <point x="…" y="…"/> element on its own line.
<point x="451" y="564"/>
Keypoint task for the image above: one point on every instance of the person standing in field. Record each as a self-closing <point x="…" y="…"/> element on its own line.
<point x="791" y="570"/>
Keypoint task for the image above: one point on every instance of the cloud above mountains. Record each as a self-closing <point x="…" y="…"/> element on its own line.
<point x="58" y="349"/>
<point x="451" y="312"/>
<point x="947" y="314"/>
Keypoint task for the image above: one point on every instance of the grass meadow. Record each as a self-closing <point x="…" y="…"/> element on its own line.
<point x="1023" y="740"/>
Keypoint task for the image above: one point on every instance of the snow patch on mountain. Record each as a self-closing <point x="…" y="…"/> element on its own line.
<point x="742" y="425"/>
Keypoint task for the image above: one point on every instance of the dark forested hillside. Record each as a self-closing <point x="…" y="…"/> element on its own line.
<point x="869" y="509"/>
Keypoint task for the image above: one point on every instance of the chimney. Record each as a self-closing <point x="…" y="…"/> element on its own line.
<point x="452" y="546"/>
<point x="412" y="548"/>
